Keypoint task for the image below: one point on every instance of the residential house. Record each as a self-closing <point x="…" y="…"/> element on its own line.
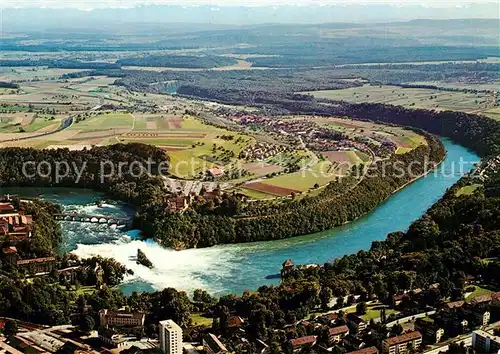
<point x="352" y="342"/>
<point x="478" y="315"/>
<point x="10" y="254"/>
<point x="398" y="299"/>
<point x="303" y="342"/>
<point x="235" y="322"/>
<point x="112" y="338"/>
<point x="401" y="344"/>
<point x="369" y="350"/>
<point x="178" y="204"/>
<point x="212" y="345"/>
<point x="216" y="172"/>
<point x="453" y="321"/>
<point x="356" y="322"/>
<point x="454" y="304"/>
<point x="481" y="299"/>
<point x="336" y="334"/>
<point x="432" y="333"/>
<point x="16" y="226"/>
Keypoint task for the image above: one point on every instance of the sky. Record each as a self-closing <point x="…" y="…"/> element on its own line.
<point x="91" y="4"/>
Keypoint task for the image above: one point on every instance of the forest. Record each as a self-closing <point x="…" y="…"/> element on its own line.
<point x="119" y="170"/>
<point x="179" y="61"/>
<point x="241" y="86"/>
<point x="323" y="53"/>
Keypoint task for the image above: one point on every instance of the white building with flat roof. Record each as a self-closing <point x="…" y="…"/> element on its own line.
<point x="170" y="337"/>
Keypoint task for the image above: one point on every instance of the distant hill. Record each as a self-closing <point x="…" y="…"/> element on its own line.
<point x="174" y="17"/>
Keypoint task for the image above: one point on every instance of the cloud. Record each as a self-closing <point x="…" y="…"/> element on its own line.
<point x="89" y="4"/>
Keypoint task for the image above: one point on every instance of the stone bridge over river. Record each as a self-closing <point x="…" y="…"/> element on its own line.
<point x="94" y="219"/>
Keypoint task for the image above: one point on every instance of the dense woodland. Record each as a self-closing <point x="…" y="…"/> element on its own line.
<point x="174" y="61"/>
<point x="250" y="86"/>
<point x="97" y="168"/>
<point x="179" y="61"/>
<point x="372" y="50"/>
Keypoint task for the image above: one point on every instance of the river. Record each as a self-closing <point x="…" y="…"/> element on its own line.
<point x="235" y="268"/>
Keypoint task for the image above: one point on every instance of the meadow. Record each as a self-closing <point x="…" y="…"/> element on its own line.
<point x="411" y="97"/>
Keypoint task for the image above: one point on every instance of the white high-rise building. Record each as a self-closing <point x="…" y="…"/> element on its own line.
<point x="170" y="337"/>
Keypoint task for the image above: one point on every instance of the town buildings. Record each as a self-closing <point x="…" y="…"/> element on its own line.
<point x="170" y="337"/>
<point x="336" y="334"/>
<point x="37" y="265"/>
<point x="121" y="318"/>
<point x="368" y="350"/>
<point x="357" y="322"/>
<point x="484" y="342"/>
<point x="401" y="344"/>
<point x="14" y="225"/>
<point x="303" y="342"/>
<point x="212" y="345"/>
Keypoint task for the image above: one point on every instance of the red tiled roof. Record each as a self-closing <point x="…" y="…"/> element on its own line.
<point x="36" y="260"/>
<point x="216" y="171"/>
<point x="338" y="330"/>
<point x="333" y="316"/>
<point x="235" y="321"/>
<point x="10" y="250"/>
<point x="455" y="304"/>
<point x="6" y="207"/>
<point x="403" y="338"/>
<point x="303" y="340"/>
<point x="481" y="298"/>
<point x="369" y="350"/>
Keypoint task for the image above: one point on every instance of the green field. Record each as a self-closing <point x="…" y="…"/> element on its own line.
<point x="320" y="174"/>
<point x="408" y="97"/>
<point x="200" y="320"/>
<point x="492" y="113"/>
<point x="467" y="190"/>
<point x="106" y="121"/>
<point x="478" y="292"/>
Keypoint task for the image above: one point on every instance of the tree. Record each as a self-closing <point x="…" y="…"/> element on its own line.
<point x="87" y="323"/>
<point x="325" y="297"/>
<point x="361" y="308"/>
<point x="10" y="328"/>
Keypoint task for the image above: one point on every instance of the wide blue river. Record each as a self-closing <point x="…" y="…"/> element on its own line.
<point x="235" y="268"/>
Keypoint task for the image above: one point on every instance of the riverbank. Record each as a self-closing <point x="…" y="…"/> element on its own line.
<point x="234" y="268"/>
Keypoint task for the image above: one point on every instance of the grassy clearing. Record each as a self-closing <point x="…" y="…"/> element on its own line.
<point x="200" y="320"/>
<point x="373" y="311"/>
<point x="492" y="113"/>
<point x="107" y="121"/>
<point x="301" y="180"/>
<point x="478" y="291"/>
<point x="467" y="190"/>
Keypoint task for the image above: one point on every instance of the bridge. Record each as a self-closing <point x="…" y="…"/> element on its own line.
<point x="94" y="219"/>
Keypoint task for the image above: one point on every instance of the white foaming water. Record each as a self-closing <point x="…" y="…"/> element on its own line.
<point x="184" y="270"/>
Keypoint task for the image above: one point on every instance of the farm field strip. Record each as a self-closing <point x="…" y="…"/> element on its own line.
<point x="270" y="189"/>
<point x="410" y="97"/>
